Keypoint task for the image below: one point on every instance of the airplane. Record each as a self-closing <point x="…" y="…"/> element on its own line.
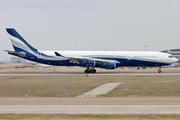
<point x="90" y="59"/>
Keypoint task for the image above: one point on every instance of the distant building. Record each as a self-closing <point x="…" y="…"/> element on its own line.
<point x="17" y="60"/>
<point x="174" y="52"/>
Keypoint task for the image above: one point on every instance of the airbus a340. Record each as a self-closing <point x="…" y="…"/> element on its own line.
<point x="89" y="59"/>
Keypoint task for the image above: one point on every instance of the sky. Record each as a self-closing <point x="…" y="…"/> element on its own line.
<point x="118" y="25"/>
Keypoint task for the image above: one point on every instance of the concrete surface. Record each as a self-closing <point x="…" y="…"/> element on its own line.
<point x="116" y="109"/>
<point x="92" y="101"/>
<point x="42" y="74"/>
<point x="101" y="90"/>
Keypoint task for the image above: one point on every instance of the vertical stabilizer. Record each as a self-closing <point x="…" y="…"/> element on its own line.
<point x="18" y="42"/>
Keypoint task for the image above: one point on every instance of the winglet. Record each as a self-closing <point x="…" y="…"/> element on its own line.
<point x="57" y="54"/>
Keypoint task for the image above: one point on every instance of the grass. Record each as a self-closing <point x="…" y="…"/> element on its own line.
<point x="16" y="77"/>
<point x="88" y="117"/>
<point x="49" y="86"/>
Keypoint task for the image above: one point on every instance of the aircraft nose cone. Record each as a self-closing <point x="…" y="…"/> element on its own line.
<point x="175" y="60"/>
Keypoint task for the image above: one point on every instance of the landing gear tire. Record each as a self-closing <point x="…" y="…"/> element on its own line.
<point x="90" y="71"/>
<point x="86" y="71"/>
<point x="93" y="71"/>
<point x="159" y="71"/>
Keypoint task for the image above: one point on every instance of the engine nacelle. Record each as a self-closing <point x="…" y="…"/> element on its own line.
<point x="87" y="63"/>
<point x="108" y="65"/>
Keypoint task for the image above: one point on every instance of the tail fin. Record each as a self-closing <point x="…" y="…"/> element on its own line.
<point x="18" y="42"/>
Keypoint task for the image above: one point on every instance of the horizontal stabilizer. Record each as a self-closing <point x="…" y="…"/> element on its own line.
<point x="21" y="54"/>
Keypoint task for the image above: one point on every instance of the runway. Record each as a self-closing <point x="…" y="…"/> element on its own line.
<point x="95" y="109"/>
<point x="33" y="101"/>
<point x="70" y="74"/>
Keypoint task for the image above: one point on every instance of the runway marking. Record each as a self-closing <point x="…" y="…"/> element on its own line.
<point x="94" y="109"/>
<point x="100" y="90"/>
<point x="70" y="74"/>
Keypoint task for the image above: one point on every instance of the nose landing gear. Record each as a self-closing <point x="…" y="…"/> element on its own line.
<point x="159" y="71"/>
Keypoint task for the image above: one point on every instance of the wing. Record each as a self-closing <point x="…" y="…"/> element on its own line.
<point x="77" y="59"/>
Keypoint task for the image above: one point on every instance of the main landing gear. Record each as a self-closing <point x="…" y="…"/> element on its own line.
<point x="90" y="70"/>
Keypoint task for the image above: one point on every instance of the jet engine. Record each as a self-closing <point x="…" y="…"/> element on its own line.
<point x="87" y="63"/>
<point x="108" y="65"/>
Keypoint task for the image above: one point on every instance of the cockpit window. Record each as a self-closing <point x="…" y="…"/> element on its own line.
<point x="171" y="56"/>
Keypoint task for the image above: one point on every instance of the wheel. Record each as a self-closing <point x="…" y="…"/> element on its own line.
<point x="137" y="68"/>
<point x="90" y="71"/>
<point x="86" y="71"/>
<point x="159" y="71"/>
<point x="93" y="71"/>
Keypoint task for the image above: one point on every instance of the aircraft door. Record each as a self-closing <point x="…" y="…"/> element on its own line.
<point x="162" y="57"/>
<point x="129" y="56"/>
<point x="38" y="55"/>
